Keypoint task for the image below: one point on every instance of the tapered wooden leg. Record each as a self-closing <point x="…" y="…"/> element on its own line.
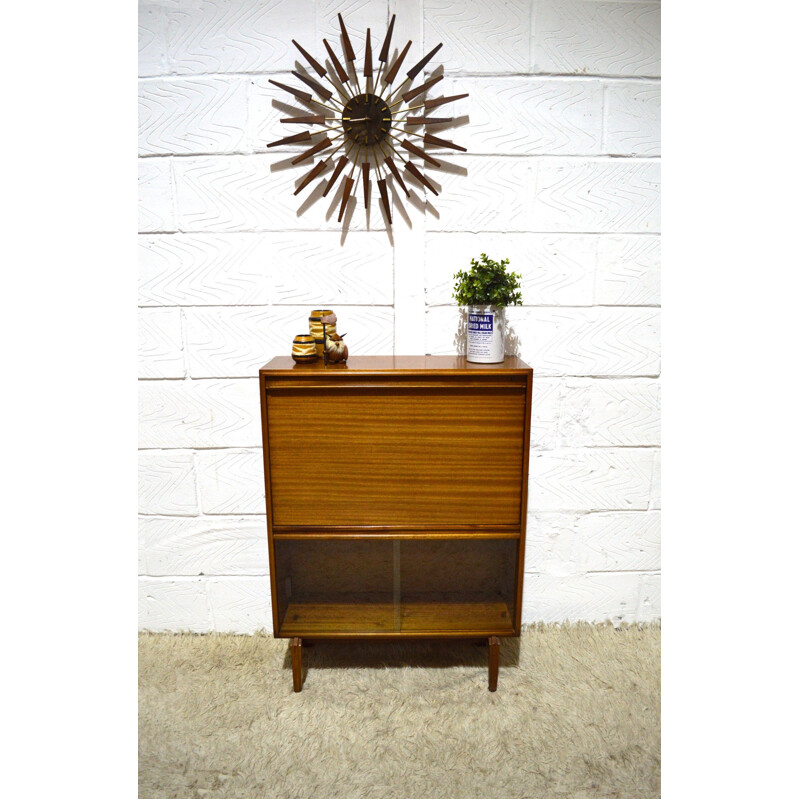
<point x="494" y="662"/>
<point x="297" y="663"/>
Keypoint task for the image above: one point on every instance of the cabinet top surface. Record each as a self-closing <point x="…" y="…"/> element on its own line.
<point x="393" y="364"/>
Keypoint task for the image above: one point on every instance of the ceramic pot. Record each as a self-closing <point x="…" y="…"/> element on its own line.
<point x="486" y="334"/>
<point x="304" y="348"/>
<point x="315" y="327"/>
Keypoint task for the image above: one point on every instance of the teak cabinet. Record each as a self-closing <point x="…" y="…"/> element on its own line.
<point x="396" y="490"/>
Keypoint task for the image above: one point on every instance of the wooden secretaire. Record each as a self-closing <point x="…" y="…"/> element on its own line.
<point x="396" y="491"/>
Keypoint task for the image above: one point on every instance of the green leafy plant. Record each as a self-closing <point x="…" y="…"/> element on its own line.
<point x="488" y="283"/>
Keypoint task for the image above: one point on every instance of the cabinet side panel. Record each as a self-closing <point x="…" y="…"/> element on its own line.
<point x="396" y="456"/>
<point x="277" y="599"/>
<point x="526" y="454"/>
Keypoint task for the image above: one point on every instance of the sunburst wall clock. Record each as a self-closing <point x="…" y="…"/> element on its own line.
<point x="375" y="128"/>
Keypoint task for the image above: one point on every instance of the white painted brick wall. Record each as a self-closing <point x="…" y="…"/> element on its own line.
<point x="212" y="413"/>
<point x="161" y="343"/>
<point x="192" y="115"/>
<point x="595" y="37"/>
<point x="525" y="116"/>
<point x="167" y="483"/>
<point x="186" y="546"/>
<point x="556" y="269"/>
<point x="156" y="201"/>
<point x="562" y="176"/>
<point x="231" y="481"/>
<point x="492" y="37"/>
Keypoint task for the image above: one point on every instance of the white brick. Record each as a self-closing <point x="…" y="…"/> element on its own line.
<point x="240" y="605"/>
<point x="167" y="483"/>
<point x="628" y="270"/>
<point x="445" y="331"/>
<point x="204" y="269"/>
<point x="551" y="544"/>
<point x="255" y="193"/>
<point x="633" y="119"/>
<point x="238" y="35"/>
<point x="236" y="342"/>
<point x="556" y="269"/>
<point x="156" y="207"/>
<point x="598" y="597"/>
<point x="233" y="193"/>
<point x="529" y="116"/>
<point x="655" y="484"/>
<point x="619" y="540"/>
<point x="142" y="554"/>
<point x="268" y="104"/>
<point x="597" y="413"/>
<point x="231" y="481"/>
<point x="203" y="546"/>
<point x="494" y="195"/>
<point x="598" y="195"/>
<point x="152" y="38"/>
<point x="589" y="341"/>
<point x="650" y="598"/>
<point x="199" y="413"/>
<point x="303" y="269"/>
<point x="592" y="479"/>
<point x="160" y="343"/>
<point x="174" y="605"/>
<point x="357" y="16"/>
<point x="598" y="38"/>
<point x="237" y="193"/>
<point x="546" y="396"/>
<point x="546" y="195"/>
<point x="580" y="412"/>
<point x="491" y="36"/>
<point x="192" y="115"/>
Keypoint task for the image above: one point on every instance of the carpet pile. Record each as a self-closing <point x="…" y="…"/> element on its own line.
<point x="576" y="714"/>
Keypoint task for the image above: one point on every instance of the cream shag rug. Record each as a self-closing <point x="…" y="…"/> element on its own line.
<point x="576" y="714"/>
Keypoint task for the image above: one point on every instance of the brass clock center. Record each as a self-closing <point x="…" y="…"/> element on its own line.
<point x="366" y="119"/>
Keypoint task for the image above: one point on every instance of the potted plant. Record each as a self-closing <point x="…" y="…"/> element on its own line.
<point x="485" y="291"/>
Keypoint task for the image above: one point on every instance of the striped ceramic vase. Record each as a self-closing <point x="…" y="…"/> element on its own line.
<point x="304" y="348"/>
<point x="315" y="327"/>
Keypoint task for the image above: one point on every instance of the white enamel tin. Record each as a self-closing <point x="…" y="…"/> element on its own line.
<point x="486" y="334"/>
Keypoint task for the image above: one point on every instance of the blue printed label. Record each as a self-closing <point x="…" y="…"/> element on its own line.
<point x="481" y="322"/>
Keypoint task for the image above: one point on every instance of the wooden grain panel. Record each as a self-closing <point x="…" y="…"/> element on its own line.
<point x="306" y="617"/>
<point x="482" y="615"/>
<point x="416" y="617"/>
<point x="394" y="366"/>
<point x="307" y="384"/>
<point x="394" y="532"/>
<point x="407" y="457"/>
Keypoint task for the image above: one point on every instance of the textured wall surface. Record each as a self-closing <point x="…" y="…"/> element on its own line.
<point x="562" y="176"/>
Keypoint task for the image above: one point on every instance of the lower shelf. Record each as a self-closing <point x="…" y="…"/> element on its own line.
<point x="380" y="614"/>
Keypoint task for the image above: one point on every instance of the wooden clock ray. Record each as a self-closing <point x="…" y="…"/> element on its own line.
<point x="370" y="126"/>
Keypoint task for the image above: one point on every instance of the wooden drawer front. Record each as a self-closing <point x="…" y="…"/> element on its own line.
<point x="396" y="454"/>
